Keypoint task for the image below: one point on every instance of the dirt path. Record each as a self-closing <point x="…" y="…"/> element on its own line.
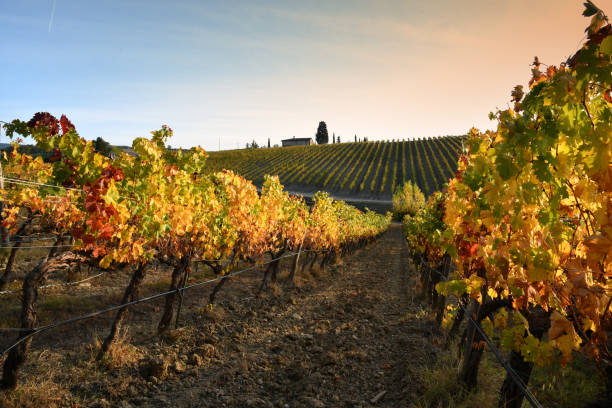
<point x="338" y="341"/>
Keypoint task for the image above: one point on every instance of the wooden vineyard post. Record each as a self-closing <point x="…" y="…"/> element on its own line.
<point x="296" y="262"/>
<point x="3" y="231"/>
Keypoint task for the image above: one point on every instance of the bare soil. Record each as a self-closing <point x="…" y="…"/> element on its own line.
<point x="354" y="335"/>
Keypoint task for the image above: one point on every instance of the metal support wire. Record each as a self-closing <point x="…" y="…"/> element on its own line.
<point x="515" y="377"/>
<point x="55" y="285"/>
<point x="36" y="330"/>
<point x="6" y="292"/>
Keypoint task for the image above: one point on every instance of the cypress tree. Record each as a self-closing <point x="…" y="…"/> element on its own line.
<point x="322" y="137"/>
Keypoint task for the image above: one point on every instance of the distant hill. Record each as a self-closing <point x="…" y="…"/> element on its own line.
<point x="368" y="170"/>
<point x="34" y="151"/>
<point x="362" y="170"/>
<point x="125" y="149"/>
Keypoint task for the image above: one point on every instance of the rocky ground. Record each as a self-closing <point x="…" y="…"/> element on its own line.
<point x="354" y="335"/>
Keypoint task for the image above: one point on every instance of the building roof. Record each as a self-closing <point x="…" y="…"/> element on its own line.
<point x="297" y="138"/>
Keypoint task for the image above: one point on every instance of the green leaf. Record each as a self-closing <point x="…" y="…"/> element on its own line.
<point x="512" y="338"/>
<point x="487" y="326"/>
<point x="530" y="192"/>
<point x="541" y="169"/>
<point x="517" y="291"/>
<point x="457" y="287"/>
<point x="473" y="179"/>
<point x="529" y="350"/>
<point x="590" y="9"/>
<point x="606" y="45"/>
<point x="505" y="168"/>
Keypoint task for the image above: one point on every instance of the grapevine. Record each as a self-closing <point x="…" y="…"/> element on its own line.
<point x="527" y="220"/>
<point x="159" y="205"/>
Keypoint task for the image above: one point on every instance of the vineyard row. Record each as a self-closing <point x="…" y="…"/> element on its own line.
<point x="355" y="169"/>
<point x="160" y="206"/>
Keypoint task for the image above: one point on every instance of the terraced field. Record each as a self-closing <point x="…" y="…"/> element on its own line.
<point x="363" y="169"/>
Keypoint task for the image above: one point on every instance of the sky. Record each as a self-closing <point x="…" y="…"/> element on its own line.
<point x="223" y="73"/>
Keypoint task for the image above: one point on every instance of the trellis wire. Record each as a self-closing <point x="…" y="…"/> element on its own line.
<point x="6" y="292"/>
<point x="515" y="377"/>
<point x="55" y="285"/>
<point x="36" y="330"/>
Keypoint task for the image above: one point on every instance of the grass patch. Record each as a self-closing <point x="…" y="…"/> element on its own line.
<point x="38" y="391"/>
<point x="67" y="303"/>
<point x="554" y="386"/>
<point x="442" y="388"/>
<point x="121" y="353"/>
<point x="571" y="386"/>
<point x="45" y="393"/>
<point x="158" y="286"/>
<point x="74" y="379"/>
<point x="10" y="322"/>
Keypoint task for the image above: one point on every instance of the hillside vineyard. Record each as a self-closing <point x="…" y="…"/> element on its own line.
<point x="362" y="169"/>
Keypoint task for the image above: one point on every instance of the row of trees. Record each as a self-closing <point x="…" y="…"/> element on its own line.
<point x="322" y="137"/>
<point x="100" y="145"/>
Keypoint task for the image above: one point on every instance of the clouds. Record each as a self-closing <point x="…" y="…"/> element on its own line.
<point x="52" y="15"/>
<point x="242" y="70"/>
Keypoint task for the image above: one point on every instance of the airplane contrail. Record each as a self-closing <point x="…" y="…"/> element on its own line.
<point x="52" y="15"/>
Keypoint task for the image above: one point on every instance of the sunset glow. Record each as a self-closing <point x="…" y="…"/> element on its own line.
<point x="231" y="72"/>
